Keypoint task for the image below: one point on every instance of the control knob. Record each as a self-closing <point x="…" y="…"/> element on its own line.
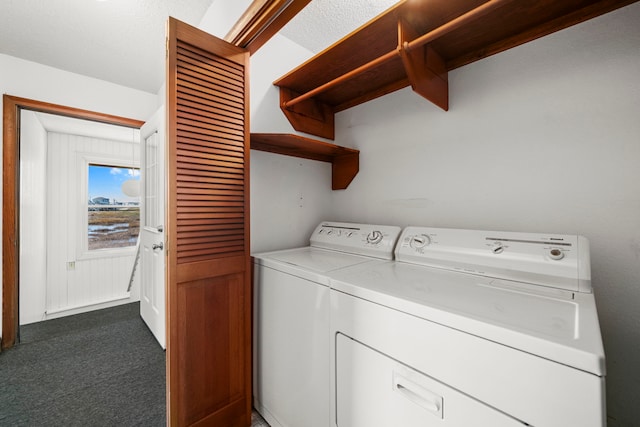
<point x="498" y="248"/>
<point x="419" y="241"/>
<point x="374" y="237"/>
<point x="556" y="254"/>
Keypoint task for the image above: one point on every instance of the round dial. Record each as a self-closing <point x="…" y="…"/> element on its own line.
<point x="420" y="241"/>
<point x="374" y="237"/>
<point x="556" y="254"/>
<point x="498" y="247"/>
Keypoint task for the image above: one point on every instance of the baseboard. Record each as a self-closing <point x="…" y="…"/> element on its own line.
<point x="69" y="311"/>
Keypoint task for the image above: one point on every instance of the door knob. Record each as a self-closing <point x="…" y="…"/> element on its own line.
<point x="157" y="246"/>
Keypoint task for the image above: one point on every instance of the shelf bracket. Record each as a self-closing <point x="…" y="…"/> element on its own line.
<point x="309" y="116"/>
<point x="425" y="68"/>
<point x="344" y="168"/>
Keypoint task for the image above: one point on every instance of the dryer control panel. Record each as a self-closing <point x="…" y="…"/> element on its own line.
<point x="362" y="239"/>
<point x="553" y="260"/>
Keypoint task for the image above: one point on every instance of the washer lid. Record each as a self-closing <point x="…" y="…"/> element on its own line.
<point x="309" y="263"/>
<point x="555" y="324"/>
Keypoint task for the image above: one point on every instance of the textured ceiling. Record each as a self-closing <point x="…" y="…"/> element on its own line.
<point x="324" y="22"/>
<point x="121" y="41"/>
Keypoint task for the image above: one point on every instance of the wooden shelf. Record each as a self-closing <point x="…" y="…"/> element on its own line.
<point x="416" y="43"/>
<point x="344" y="161"/>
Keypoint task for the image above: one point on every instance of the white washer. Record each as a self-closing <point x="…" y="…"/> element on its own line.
<point x="291" y="319"/>
<point x="468" y="328"/>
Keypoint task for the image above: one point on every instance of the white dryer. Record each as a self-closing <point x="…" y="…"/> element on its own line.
<point x="291" y="319"/>
<point x="469" y="328"/>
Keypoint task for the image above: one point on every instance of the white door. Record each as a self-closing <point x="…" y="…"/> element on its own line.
<point x="152" y="254"/>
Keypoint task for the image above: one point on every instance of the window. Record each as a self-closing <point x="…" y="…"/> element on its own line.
<point x="113" y="218"/>
<point x="152" y="178"/>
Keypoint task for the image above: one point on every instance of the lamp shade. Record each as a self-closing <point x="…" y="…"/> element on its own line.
<point x="131" y="187"/>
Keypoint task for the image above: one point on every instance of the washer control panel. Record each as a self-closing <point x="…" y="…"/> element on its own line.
<point x="559" y="261"/>
<point x="362" y="239"/>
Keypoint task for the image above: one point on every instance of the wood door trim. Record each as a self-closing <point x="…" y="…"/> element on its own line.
<point x="12" y="106"/>
<point x="261" y="21"/>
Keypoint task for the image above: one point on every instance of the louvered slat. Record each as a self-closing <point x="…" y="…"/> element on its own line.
<point x="190" y="104"/>
<point x="209" y="224"/>
<point x="218" y="125"/>
<point x="191" y="155"/>
<point x="215" y="154"/>
<point x="228" y="137"/>
<point x="225" y="75"/>
<point x="210" y="94"/>
<point x="212" y="228"/>
<point x="213" y="235"/>
<point x="208" y="105"/>
<point x="191" y="138"/>
<point x="229" y="151"/>
<point x="222" y="119"/>
<point x="206" y="59"/>
<point x="213" y="189"/>
<point x="193" y="167"/>
<point x="210" y="156"/>
<point x="198" y="77"/>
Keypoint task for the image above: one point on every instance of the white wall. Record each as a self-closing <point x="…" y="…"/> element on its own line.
<point x="97" y="279"/>
<point x="35" y="81"/>
<point x="221" y="16"/>
<point x="289" y="196"/>
<point x="31" y="80"/>
<point x="543" y="137"/>
<point x="33" y="216"/>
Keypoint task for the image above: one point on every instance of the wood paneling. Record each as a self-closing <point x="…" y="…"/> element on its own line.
<point x="10" y="189"/>
<point x="33" y="211"/>
<point x="94" y="279"/>
<point x="208" y="289"/>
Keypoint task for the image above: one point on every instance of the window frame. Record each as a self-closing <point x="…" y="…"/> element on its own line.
<point x="84" y="161"/>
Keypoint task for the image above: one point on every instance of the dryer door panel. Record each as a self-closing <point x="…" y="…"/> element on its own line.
<point x="374" y="390"/>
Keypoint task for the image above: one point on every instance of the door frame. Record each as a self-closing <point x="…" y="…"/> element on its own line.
<point x="12" y="106"/>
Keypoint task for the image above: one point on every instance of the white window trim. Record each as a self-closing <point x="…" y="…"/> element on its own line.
<point x="83" y="161"/>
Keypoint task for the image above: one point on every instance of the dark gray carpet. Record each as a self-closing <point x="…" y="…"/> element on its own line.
<point x="102" y="368"/>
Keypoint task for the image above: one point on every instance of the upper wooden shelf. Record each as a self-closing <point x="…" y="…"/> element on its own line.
<point x="344" y="161"/>
<point x="416" y="43"/>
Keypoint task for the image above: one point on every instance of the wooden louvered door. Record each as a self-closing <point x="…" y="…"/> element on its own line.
<point x="208" y="263"/>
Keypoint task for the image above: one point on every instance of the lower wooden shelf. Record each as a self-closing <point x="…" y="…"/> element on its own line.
<point x="344" y="161"/>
